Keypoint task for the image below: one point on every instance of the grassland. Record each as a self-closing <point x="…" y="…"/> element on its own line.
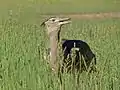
<point x="23" y="42"/>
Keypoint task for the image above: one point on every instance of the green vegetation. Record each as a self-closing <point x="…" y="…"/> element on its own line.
<point x="23" y="42"/>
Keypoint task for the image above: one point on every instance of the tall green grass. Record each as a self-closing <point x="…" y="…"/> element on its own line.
<point x="22" y="66"/>
<point x="29" y="9"/>
<point x="23" y="43"/>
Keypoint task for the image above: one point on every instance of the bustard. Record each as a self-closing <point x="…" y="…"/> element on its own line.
<point x="53" y="26"/>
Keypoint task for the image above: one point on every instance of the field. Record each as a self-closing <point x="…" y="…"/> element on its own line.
<point x="23" y="43"/>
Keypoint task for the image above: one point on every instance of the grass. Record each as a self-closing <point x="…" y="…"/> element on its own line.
<point x="26" y="10"/>
<point x="23" y="42"/>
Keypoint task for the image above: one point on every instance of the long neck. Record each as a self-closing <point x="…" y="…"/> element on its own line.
<point x="53" y="46"/>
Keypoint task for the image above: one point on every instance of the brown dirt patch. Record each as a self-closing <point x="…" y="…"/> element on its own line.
<point x="87" y="15"/>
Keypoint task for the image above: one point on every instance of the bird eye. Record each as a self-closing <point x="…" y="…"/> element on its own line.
<point x="53" y="20"/>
